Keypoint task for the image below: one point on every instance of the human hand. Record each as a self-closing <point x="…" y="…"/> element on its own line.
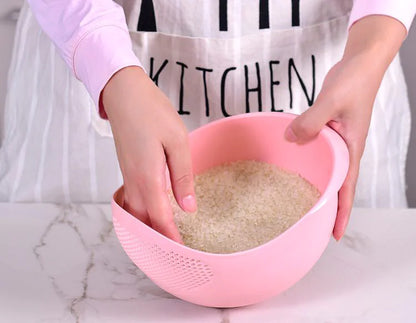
<point x="347" y="97"/>
<point x="149" y="135"/>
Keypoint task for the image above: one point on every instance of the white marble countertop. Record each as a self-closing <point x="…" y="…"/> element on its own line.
<point x="64" y="264"/>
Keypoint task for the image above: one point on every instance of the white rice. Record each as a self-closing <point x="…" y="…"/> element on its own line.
<point x="242" y="205"/>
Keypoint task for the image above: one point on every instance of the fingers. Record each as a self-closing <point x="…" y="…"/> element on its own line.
<point x="307" y="125"/>
<point x="155" y="196"/>
<point x="180" y="167"/>
<point x="155" y="212"/>
<point x="145" y="192"/>
<point x="132" y="197"/>
<point x="134" y="204"/>
<point x="159" y="208"/>
<point x="346" y="194"/>
<point x="345" y="200"/>
<point x="304" y="128"/>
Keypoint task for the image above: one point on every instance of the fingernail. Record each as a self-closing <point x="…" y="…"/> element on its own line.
<point x="338" y="236"/>
<point x="290" y="135"/>
<point x="189" y="203"/>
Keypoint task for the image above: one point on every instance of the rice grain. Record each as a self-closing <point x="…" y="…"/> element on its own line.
<point x="242" y="205"/>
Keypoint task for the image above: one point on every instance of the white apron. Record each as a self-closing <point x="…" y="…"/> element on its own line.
<point x="212" y="59"/>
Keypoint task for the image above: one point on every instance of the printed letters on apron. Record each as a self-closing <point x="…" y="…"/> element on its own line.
<point x="208" y="78"/>
<point x="147" y="19"/>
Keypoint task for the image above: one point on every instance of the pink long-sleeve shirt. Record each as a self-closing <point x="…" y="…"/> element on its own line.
<point x="93" y="38"/>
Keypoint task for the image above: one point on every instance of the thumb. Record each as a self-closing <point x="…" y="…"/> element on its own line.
<point x="181" y="176"/>
<point x="307" y="125"/>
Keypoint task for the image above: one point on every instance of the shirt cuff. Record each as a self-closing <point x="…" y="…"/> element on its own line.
<point x="402" y="10"/>
<point x="99" y="55"/>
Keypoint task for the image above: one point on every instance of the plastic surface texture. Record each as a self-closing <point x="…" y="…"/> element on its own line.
<point x="251" y="276"/>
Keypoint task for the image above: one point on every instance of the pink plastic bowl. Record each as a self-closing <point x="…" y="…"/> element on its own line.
<point x="251" y="276"/>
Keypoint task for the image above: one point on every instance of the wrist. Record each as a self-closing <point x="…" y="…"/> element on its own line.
<point x="120" y="89"/>
<point x="363" y="63"/>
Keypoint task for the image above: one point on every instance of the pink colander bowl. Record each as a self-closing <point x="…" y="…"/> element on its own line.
<point x="251" y="276"/>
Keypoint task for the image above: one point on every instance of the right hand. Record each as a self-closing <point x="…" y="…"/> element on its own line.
<point x="149" y="135"/>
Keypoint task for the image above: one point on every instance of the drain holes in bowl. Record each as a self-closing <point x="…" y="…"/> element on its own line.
<point x="168" y="268"/>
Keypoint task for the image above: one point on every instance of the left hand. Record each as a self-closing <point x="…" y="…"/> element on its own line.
<point x="345" y="104"/>
<point x="347" y="97"/>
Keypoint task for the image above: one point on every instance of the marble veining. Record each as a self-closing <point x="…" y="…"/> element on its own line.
<point x="91" y="238"/>
<point x="63" y="263"/>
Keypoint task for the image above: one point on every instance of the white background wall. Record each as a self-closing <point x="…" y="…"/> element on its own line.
<point x="9" y="8"/>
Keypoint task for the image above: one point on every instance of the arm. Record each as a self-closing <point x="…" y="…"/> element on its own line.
<point x="91" y="36"/>
<point x="347" y="97"/>
<point x="149" y="135"/>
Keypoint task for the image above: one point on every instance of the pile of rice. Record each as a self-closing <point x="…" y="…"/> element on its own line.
<point x="242" y="205"/>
